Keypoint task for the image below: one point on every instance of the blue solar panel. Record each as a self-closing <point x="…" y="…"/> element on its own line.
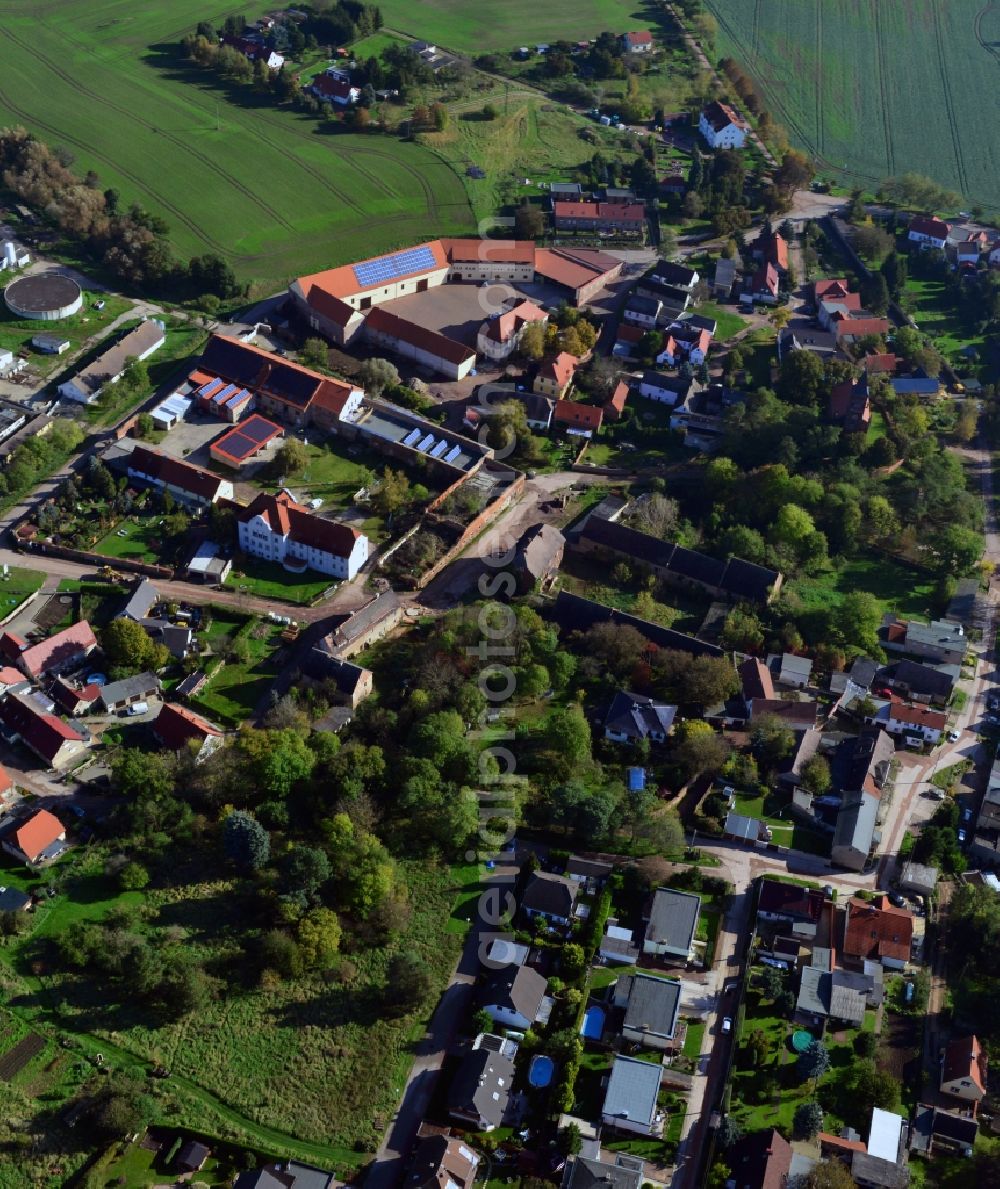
<point x="389" y="268"/>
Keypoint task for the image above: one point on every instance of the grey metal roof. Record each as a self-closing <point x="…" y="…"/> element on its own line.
<point x="939" y="634"/>
<point x="856" y="823"/>
<point x="581" y="1173"/>
<point x="305" y="1176"/>
<point x="653" y="1004"/>
<point x="141" y="601"/>
<point x="129" y="687"/>
<point x="632" y="1090"/>
<point x="673" y="920"/>
<point x="811" y="987"/>
<point x="848" y="995"/>
<point x="873" y="1171"/>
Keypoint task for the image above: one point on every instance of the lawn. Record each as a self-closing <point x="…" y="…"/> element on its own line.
<point x="729" y="324"/>
<point x="838" y="75"/>
<point x="16" y="585"/>
<point x="897" y="586"/>
<point x="235" y="691"/>
<point x="938" y="317"/>
<point x="16" y="333"/>
<point x="269" y="580"/>
<point x="107" y="82"/>
<point x="693" y="1039"/>
<point x="134" y="538"/>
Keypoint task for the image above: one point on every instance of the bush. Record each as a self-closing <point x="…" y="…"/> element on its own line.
<point x="808" y="1119"/>
<point x="133" y="877"/>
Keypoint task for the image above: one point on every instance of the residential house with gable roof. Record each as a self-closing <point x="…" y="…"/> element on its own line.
<point x="721" y="127"/>
<point x="634" y="718"/>
<point x="964" y="1070"/>
<point x="583" y="1172"/>
<point x="56" y="743"/>
<point x="576" y="418"/>
<point x="554" y="376"/>
<point x="442" y="1162"/>
<point x="38" y="839"/>
<point x="760" y="1160"/>
<point x="877" y="932"/>
<point x="514" y="997"/>
<point x="637" y="42"/>
<point x="480" y="1090"/>
<point x="188" y="484"/>
<point x="58" y="653"/>
<point x="500" y="336"/>
<point x="278" y="529"/>
<point x="550" y="897"/>
<point x="671" y="925"/>
<point x="178" y="728"/>
<point x="928" y="232"/>
<point x="790" y="904"/>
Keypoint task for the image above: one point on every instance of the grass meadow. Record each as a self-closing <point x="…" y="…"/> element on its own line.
<point x="839" y="75"/>
<point x="312" y="1067"/>
<point x="275" y="192"/>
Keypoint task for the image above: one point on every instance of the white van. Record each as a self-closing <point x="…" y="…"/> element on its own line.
<point x="137" y="708"/>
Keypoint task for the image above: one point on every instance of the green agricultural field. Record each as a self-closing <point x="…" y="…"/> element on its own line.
<point x="473" y="28"/>
<point x="275" y="192"/>
<point x="839" y="74"/>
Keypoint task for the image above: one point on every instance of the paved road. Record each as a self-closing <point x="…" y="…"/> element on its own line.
<point x="348" y="596"/>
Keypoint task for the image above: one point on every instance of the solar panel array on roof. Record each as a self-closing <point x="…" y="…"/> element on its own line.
<point x="258" y="429"/>
<point x="389" y="268"/>
<point x="245" y="440"/>
<point x="411" y="437"/>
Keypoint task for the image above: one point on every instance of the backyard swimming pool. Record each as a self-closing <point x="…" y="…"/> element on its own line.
<point x="541" y="1070"/>
<point x="592" y="1027"/>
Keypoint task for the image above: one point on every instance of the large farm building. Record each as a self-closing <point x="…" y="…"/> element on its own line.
<point x="338" y="302"/>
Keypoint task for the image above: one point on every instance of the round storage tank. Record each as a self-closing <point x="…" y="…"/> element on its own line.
<point x="45" y="297"/>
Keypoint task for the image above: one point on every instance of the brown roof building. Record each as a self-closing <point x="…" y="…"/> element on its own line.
<point x="964" y="1070"/>
<point x="877" y="932"/>
<point x="761" y="1160"/>
<point x="177" y="728"/>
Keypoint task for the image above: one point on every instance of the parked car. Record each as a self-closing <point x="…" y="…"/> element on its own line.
<point x="896" y="899"/>
<point x="727" y="1025"/>
<point x="962" y="837"/>
<point x="954" y="736"/>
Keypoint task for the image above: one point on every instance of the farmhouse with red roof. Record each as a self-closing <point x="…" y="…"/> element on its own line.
<point x="177" y="729"/>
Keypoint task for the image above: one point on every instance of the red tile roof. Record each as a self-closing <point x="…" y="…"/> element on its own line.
<point x="616" y="401"/>
<point x="560" y="370"/>
<point x="175" y="726"/>
<point x="765" y="279"/>
<point x="885" y="364"/>
<point x="292" y="520"/>
<point x="74" y="641"/>
<point x="507" y="251"/>
<point x="328" y="306"/>
<point x="721" y="115"/>
<point x="617" y="212"/>
<point x="877" y="931"/>
<point x="928" y="225"/>
<point x="756" y="679"/>
<point x="920" y="716"/>
<point x="826" y="1140"/>
<point x="175" y="473"/>
<point x="574" y="269"/>
<point x="38" y="832"/>
<point x="641" y="37"/>
<point x="10" y="676"/>
<point x="509" y="323"/>
<point x="571" y="412"/>
<point x="774" y="248"/>
<point x="629" y="334"/>
<point x="384" y="322"/>
<point x="833" y="289"/>
<point x="964" y="1058"/>
<point x="860" y="327"/>
<point x="12" y="646"/>
<point x="43" y="733"/>
<point x="329" y="87"/>
<point x="6" y="780"/>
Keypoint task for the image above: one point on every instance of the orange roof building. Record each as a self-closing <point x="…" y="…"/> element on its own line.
<point x="964" y="1070"/>
<point x="278" y="529"/>
<point x="877" y="932"/>
<point x="40" y="839"/>
<point x="555" y="375"/>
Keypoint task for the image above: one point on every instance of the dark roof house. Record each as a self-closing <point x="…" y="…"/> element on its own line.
<point x="548" y="895"/>
<point x="632" y="718"/>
